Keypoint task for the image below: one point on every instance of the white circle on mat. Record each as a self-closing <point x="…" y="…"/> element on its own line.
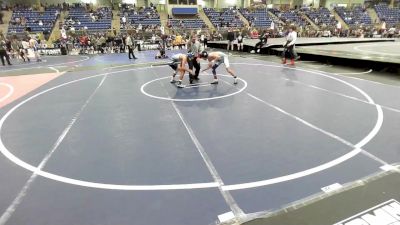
<point x="143" y="90"/>
<point x="240" y="186"/>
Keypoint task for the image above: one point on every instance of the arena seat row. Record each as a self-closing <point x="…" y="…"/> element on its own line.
<point x="290" y="16"/>
<point x="257" y="18"/>
<point x="187" y="23"/>
<point x="390" y="15"/>
<point x="354" y="16"/>
<point x="226" y="18"/>
<point x="147" y="16"/>
<point x="23" y="19"/>
<point x="320" y="16"/>
<point x="102" y="21"/>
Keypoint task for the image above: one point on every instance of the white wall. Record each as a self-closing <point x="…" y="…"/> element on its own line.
<point x="229" y="3"/>
<point x="278" y="2"/>
<point x="330" y="2"/>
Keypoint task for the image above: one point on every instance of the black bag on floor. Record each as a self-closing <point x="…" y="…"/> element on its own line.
<point x="63" y="50"/>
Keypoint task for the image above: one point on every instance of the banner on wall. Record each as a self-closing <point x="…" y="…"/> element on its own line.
<point x="259" y="1"/>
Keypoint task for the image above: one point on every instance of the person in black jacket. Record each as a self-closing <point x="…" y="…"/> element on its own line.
<point x="3" y="52"/>
<point x="231" y="38"/>
<point x="195" y="48"/>
<point x="263" y="41"/>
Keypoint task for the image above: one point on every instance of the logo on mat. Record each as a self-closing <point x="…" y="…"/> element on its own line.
<point x="387" y="213"/>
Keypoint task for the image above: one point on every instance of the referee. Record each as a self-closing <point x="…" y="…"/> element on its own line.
<point x="195" y="48"/>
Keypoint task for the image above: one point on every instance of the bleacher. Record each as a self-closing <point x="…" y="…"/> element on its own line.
<point x="355" y="16"/>
<point x="27" y="19"/>
<point x="390" y="15"/>
<point x="145" y="17"/>
<point x="290" y="16"/>
<point x="257" y="18"/>
<point x="187" y="23"/>
<point x="320" y="16"/>
<point x="83" y="19"/>
<point x="186" y="18"/>
<point x="226" y="18"/>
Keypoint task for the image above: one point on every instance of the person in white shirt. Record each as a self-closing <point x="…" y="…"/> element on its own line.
<point x="338" y="28"/>
<point x="240" y="42"/>
<point x="202" y="38"/>
<point x="33" y="44"/>
<point x="25" y="47"/>
<point x="289" y="45"/>
<point x="391" y="32"/>
<point x="130" y="44"/>
<point x="124" y="20"/>
<point x="162" y="29"/>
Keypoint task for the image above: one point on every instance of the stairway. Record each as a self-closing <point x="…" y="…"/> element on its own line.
<point x="275" y="18"/>
<point x="242" y="18"/>
<point x="116" y="22"/>
<point x="374" y="16"/>
<point x="338" y="18"/>
<point x="55" y="33"/>
<point x="6" y="19"/>
<point x="164" y="21"/>
<point x="203" y="16"/>
<point x="315" y="26"/>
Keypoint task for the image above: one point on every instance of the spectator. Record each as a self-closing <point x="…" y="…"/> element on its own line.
<point x="123" y="21"/>
<point x="231" y="38"/>
<point x="3" y="52"/>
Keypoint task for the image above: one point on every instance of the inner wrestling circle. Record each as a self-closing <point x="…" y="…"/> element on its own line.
<point x="201" y="91"/>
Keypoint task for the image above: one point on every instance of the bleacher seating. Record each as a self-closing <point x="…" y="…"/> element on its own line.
<point x="320" y="16"/>
<point x="82" y="18"/>
<point x="290" y="16"/>
<point x="390" y="15"/>
<point x="187" y="23"/>
<point x="257" y="18"/>
<point x="145" y="17"/>
<point x="37" y="21"/>
<point x="354" y="16"/>
<point x="226" y="18"/>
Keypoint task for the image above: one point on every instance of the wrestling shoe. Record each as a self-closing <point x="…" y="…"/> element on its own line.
<point x="235" y="80"/>
<point x="179" y="84"/>
<point x="215" y="81"/>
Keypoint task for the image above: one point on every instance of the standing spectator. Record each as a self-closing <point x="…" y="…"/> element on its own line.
<point x="25" y="47"/>
<point x="240" y="42"/>
<point x="206" y="37"/>
<point x="338" y="28"/>
<point x="130" y="44"/>
<point x="33" y="45"/>
<point x="231" y="38"/>
<point x="1" y="17"/>
<point x="123" y="21"/>
<point x="383" y="26"/>
<point x="391" y="32"/>
<point x="3" y="52"/>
